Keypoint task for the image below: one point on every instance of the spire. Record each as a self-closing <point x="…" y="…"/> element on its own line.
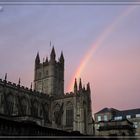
<point x="75" y="86"/>
<point x="88" y="87"/>
<point x="31" y="86"/>
<point x="80" y="85"/>
<point x="43" y="59"/>
<point x="19" y="81"/>
<point x="52" y="56"/>
<point x="46" y="59"/>
<point x="37" y="60"/>
<point x="61" y="58"/>
<point x="5" y="77"/>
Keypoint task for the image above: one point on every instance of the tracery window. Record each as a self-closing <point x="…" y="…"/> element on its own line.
<point x="10" y="103"/>
<point x="46" y="112"/>
<point x="35" y="109"/>
<point x="24" y="106"/>
<point x="57" y="118"/>
<point x="69" y="114"/>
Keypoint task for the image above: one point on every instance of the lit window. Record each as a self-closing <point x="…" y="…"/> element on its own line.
<point x="99" y="118"/>
<point x="128" y="116"/>
<point x="137" y="115"/>
<point x="136" y="126"/>
<point x="98" y="126"/>
<point x="105" y="118"/>
<point x="118" y="118"/>
<point x="135" y="122"/>
<point x="136" y="134"/>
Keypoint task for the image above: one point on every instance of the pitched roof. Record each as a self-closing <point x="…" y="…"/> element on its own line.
<point x="105" y="110"/>
<point x="122" y="113"/>
<point x="131" y="112"/>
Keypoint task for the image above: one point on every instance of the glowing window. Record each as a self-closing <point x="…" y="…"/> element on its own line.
<point x="137" y="115"/>
<point x="99" y="118"/>
<point x="128" y="116"/>
<point x="105" y="118"/>
<point x="118" y="118"/>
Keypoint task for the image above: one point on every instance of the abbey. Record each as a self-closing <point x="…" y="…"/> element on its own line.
<point x="47" y="104"/>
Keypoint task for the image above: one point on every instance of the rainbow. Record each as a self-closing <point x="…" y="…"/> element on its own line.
<point x="98" y="43"/>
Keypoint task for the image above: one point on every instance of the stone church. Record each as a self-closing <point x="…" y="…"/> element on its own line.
<point x="47" y="104"/>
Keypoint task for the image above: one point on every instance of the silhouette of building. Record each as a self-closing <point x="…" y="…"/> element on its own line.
<point x="46" y="105"/>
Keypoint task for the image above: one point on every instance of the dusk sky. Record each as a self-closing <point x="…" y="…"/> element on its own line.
<point x="101" y="44"/>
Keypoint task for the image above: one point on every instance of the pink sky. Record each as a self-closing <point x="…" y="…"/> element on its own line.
<point x="113" y="70"/>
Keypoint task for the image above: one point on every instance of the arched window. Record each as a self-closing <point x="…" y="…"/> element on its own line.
<point x="24" y="103"/>
<point x="85" y="116"/>
<point x="34" y="109"/>
<point x="10" y="104"/>
<point x="45" y="108"/>
<point x="69" y="114"/>
<point x="57" y="118"/>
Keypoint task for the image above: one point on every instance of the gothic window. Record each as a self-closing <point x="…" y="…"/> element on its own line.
<point x="69" y="114"/>
<point x="10" y="103"/>
<point x="46" y="112"/>
<point x="24" y="106"/>
<point x="84" y="105"/>
<point x="69" y="117"/>
<point x="35" y="109"/>
<point x="56" y="114"/>
<point x="46" y="72"/>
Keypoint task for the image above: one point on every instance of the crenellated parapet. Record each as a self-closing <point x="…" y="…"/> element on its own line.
<point x="52" y="60"/>
<point x="17" y="87"/>
<point x="69" y="94"/>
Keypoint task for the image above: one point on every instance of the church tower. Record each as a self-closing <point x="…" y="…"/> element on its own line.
<point x="49" y="75"/>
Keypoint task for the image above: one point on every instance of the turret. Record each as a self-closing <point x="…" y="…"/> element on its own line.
<point x="52" y="56"/>
<point x="75" y="86"/>
<point x="80" y="85"/>
<point x="88" y="87"/>
<point x="61" y="60"/>
<point x="31" y="86"/>
<point x="5" y="78"/>
<point x="37" y="60"/>
<point x="19" y="82"/>
<point x="46" y="61"/>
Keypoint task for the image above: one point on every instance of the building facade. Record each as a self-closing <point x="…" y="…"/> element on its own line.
<point x="46" y="104"/>
<point x="111" y="121"/>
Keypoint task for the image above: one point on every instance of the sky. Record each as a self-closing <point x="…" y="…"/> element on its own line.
<point x="101" y="44"/>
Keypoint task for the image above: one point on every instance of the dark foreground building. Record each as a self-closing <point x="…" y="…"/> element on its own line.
<point x="10" y="127"/>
